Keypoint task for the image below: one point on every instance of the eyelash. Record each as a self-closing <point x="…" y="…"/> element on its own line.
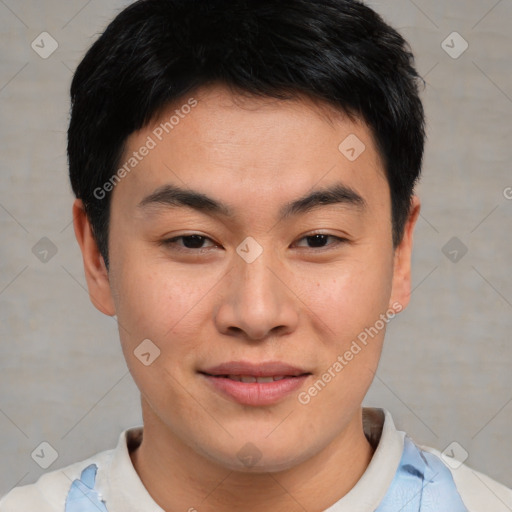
<point x="171" y="242"/>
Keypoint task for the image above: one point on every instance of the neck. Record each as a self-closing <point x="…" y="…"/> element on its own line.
<point x="180" y="479"/>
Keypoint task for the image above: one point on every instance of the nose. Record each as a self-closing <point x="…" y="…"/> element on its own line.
<point x="257" y="300"/>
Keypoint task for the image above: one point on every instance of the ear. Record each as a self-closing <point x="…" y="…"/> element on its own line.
<point x="401" y="289"/>
<point x="96" y="273"/>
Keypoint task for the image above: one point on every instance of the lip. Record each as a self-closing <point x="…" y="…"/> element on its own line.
<point x="267" y="369"/>
<point x="255" y="393"/>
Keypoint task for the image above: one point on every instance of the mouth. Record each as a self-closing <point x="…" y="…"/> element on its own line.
<point x="255" y="384"/>
<point x="253" y="378"/>
<point x="248" y="369"/>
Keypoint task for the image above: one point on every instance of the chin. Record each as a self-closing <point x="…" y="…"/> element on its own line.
<point x="253" y="458"/>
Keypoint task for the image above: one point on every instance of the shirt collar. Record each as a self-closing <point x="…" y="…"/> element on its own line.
<point x="371" y="488"/>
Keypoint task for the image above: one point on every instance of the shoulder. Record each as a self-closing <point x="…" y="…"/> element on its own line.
<point x="478" y="491"/>
<point x="50" y="492"/>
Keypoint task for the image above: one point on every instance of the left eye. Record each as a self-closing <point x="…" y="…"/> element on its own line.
<point x="319" y="240"/>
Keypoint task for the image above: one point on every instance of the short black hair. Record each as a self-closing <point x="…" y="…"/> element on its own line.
<point x="157" y="51"/>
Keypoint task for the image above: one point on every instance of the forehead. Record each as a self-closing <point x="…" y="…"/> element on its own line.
<point x="228" y="144"/>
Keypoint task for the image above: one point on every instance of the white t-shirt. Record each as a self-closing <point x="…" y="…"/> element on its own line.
<point x="108" y="481"/>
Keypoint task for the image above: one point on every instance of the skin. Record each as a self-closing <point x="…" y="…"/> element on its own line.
<point x="297" y="303"/>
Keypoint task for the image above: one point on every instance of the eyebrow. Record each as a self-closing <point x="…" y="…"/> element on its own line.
<point x="172" y="196"/>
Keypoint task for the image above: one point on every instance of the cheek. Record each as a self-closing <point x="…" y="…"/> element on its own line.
<point x="163" y="302"/>
<point x="348" y="308"/>
<point x="148" y="293"/>
<point x="348" y="297"/>
<point x="160" y="304"/>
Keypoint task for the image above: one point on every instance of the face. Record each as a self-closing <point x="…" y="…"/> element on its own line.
<point x="244" y="242"/>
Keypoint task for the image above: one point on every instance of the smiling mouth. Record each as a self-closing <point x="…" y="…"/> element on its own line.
<point x="256" y="379"/>
<point x="256" y="390"/>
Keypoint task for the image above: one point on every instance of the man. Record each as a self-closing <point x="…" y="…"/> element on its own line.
<point x="244" y="174"/>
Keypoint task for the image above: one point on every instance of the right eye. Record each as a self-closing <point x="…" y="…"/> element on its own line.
<point x="189" y="242"/>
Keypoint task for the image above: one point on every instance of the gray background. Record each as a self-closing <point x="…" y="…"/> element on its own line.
<point x="445" y="372"/>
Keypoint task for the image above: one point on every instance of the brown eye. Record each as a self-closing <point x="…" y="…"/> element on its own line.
<point x="319" y="240"/>
<point x="188" y="242"/>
